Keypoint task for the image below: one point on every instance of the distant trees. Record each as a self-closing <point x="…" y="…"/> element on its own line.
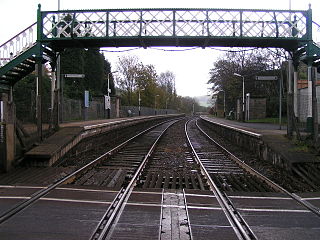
<point x="134" y="77"/>
<point x="24" y="96"/>
<point x="248" y="64"/>
<point x="93" y="65"/>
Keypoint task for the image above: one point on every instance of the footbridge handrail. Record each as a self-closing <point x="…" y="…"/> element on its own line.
<point x="164" y="23"/>
<point x="18" y="44"/>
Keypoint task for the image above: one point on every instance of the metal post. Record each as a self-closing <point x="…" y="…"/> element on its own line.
<point x="314" y="106"/>
<point x="243" y="118"/>
<point x="7" y="132"/>
<point x="62" y="99"/>
<point x="39" y="96"/>
<point x="309" y="117"/>
<point x="243" y="113"/>
<point x="280" y="100"/>
<point x="224" y="104"/>
<point x="193" y="109"/>
<point x="295" y="92"/>
<point x="248" y="106"/>
<point x="166" y="105"/>
<point x="155" y="105"/>
<point x="139" y="103"/>
<point x="108" y="94"/>
<point x="290" y="101"/>
<point x="155" y="111"/>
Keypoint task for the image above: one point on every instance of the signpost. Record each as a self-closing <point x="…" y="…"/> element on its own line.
<point x="266" y="78"/>
<point x="107" y="104"/>
<point x="86" y="104"/>
<point x="69" y="75"/>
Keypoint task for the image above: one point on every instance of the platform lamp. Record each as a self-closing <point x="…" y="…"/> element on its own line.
<point x="139" y="100"/>
<point x="108" y="94"/>
<point x="155" y="105"/>
<point x="224" y="102"/>
<point x="238" y="75"/>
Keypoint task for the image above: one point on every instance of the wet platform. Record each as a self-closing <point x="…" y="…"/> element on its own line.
<point x="276" y="216"/>
<point x="265" y="140"/>
<point x="68" y="212"/>
<point x="72" y="212"/>
<point x="70" y="134"/>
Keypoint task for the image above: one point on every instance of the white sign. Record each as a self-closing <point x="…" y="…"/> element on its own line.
<point x="86" y="99"/>
<point x="267" y="78"/>
<point x="74" y="75"/>
<point x="107" y="104"/>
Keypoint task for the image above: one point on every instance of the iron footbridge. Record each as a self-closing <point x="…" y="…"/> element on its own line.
<point x="57" y="30"/>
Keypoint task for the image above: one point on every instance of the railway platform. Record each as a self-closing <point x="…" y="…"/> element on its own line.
<point x="70" y="134"/>
<point x="282" y="151"/>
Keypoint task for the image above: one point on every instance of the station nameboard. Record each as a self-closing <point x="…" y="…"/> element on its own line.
<point x="74" y="75"/>
<point x="266" y="78"/>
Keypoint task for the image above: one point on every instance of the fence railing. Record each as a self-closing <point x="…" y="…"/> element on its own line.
<point x="174" y="22"/>
<point x="18" y="44"/>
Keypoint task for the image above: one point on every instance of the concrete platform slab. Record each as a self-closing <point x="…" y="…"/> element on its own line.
<point x="65" y="213"/>
<point x="265" y="140"/>
<point x="277" y="217"/>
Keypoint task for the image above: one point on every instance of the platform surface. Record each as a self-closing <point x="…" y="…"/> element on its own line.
<point x="272" y="136"/>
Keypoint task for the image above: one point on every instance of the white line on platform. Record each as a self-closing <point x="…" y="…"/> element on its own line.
<point x="60" y="188"/>
<point x="18" y="186"/>
<point x="273" y="210"/>
<point x="264" y="198"/>
<point x="87" y="190"/>
<point x="74" y="200"/>
<point x="311" y="198"/>
<point x="14" y="197"/>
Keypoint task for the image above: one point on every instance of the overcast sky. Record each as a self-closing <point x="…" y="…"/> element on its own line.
<point x="191" y="67"/>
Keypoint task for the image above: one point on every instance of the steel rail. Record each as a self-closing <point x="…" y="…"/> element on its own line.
<point x="69" y="178"/>
<point x="270" y="183"/>
<point x="105" y="224"/>
<point x="187" y="213"/>
<point x="241" y="230"/>
<point x="161" y="214"/>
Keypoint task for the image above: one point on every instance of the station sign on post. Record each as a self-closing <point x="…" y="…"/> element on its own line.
<point x="74" y="75"/>
<point x="86" y="99"/>
<point x="107" y="104"/>
<point x="266" y="78"/>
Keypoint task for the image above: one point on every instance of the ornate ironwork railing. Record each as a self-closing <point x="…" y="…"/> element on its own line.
<point x="18" y="44"/>
<point x="218" y="23"/>
<point x="316" y="33"/>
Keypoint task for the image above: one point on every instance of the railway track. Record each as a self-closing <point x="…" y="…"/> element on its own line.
<point x="149" y="137"/>
<point x="226" y="173"/>
<point x="167" y="183"/>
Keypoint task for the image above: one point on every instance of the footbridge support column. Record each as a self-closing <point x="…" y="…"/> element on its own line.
<point x="7" y="131"/>
<point x="295" y="89"/>
<point x="309" y="116"/>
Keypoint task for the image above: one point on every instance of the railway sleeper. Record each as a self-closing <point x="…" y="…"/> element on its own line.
<point x="172" y="181"/>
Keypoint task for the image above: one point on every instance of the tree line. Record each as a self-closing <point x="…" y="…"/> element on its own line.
<point x="249" y="63"/>
<point x="131" y="78"/>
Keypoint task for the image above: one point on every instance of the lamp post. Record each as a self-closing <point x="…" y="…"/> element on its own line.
<point x="108" y="95"/>
<point x="224" y="103"/>
<point x="139" y="100"/>
<point x="155" y="109"/>
<point x="238" y="75"/>
<point x="139" y="103"/>
<point x="167" y="105"/>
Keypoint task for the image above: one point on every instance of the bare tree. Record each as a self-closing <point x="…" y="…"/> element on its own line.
<point x="127" y="68"/>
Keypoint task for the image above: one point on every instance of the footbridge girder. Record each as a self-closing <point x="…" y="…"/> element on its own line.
<point x="175" y="27"/>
